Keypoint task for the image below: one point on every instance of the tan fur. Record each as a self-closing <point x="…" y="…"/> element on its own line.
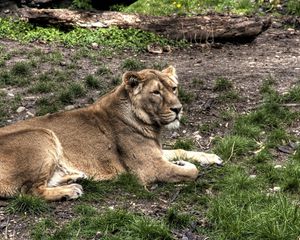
<point x="119" y="133"/>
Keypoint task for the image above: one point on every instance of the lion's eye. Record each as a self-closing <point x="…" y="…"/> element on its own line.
<point x="174" y="89"/>
<point x="156" y="92"/>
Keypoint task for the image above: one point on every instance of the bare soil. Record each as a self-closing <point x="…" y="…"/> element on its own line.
<point x="274" y="54"/>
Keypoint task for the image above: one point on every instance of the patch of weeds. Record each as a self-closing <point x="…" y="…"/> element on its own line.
<point x="277" y="137"/>
<point x="268" y="174"/>
<point x="82" y="4"/>
<point x="3" y="110"/>
<point x="131" y="64"/>
<point x="131" y="184"/>
<point x="103" y="70"/>
<point x="245" y="128"/>
<point x="270" y="116"/>
<point x="197" y="82"/>
<point x="43" y="87"/>
<point x="73" y="91"/>
<point x="184" y="120"/>
<point x="42" y="228"/>
<point x="15" y="102"/>
<point x="207" y="128"/>
<point x="228" y="115"/>
<point x="92" y="82"/>
<point x="85" y="210"/>
<point x="116" y="80"/>
<point x="267" y="86"/>
<point x="94" y="190"/>
<point x="159" y="65"/>
<point x="47" y="105"/>
<point x="293" y="7"/>
<point x="290" y="179"/>
<point x="21" y="69"/>
<point x="54" y="57"/>
<point x="233" y="146"/>
<point x="185" y="144"/>
<point x="176" y="219"/>
<point x="229" y="96"/>
<point x="112" y="37"/>
<point x="27" y="204"/>
<point x="117" y="224"/>
<point x="144" y="228"/>
<point x="263" y="156"/>
<point x="293" y="95"/>
<point x="222" y="84"/>
<point x="17" y="76"/>
<point x="246" y="215"/>
<point x="185" y="96"/>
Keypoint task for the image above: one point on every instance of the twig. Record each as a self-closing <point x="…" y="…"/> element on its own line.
<point x="232" y="149"/>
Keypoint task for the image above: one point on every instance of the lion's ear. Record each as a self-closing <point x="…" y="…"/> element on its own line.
<point x="131" y="79"/>
<point x="171" y="72"/>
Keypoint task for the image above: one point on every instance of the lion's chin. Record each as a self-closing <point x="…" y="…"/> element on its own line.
<point x="173" y="125"/>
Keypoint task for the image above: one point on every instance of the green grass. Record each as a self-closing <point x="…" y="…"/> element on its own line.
<point x="185" y="96"/>
<point x="131" y="64"/>
<point x="222" y="84"/>
<point x="112" y="224"/>
<point x="27" y="204"/>
<point x="186" y="144"/>
<point x="192" y="7"/>
<point x="177" y="219"/>
<point x="110" y="37"/>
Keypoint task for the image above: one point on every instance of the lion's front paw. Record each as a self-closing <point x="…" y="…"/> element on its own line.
<point x="72" y="191"/>
<point x="209" y="158"/>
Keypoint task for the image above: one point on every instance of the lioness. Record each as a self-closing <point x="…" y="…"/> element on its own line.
<point x="119" y="133"/>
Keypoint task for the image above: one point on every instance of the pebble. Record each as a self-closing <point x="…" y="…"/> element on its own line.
<point x="278" y="166"/>
<point x="10" y="95"/>
<point x="21" y="109"/>
<point x="30" y="114"/>
<point x="69" y="107"/>
<point x="95" y="45"/>
<point x="252" y="176"/>
<point x="6" y="11"/>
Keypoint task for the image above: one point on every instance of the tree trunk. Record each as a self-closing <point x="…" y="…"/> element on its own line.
<point x="212" y="28"/>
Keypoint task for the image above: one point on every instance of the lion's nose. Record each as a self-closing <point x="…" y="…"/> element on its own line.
<point x="176" y="109"/>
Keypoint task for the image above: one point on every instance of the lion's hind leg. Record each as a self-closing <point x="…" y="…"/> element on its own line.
<point x="33" y="162"/>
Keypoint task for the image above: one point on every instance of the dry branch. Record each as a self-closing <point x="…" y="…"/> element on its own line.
<point x="216" y="28"/>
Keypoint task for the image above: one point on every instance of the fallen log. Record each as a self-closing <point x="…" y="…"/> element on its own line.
<point x="211" y="28"/>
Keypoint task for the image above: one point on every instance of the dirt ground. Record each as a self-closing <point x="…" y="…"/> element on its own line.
<point x="275" y="55"/>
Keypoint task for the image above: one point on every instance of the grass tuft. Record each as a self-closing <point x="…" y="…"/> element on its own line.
<point x="27" y="204"/>
<point x="222" y="84"/>
<point x="176" y="219"/>
<point x="186" y="144"/>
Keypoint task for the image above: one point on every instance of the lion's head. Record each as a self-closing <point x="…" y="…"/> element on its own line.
<point x="154" y="96"/>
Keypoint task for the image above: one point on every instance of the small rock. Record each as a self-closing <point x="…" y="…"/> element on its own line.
<point x="63" y="63"/>
<point x="95" y="45"/>
<point x="69" y="107"/>
<point x="10" y="95"/>
<point x="278" y="166"/>
<point x="6" y="11"/>
<point x="184" y="238"/>
<point x="252" y="176"/>
<point x="30" y="114"/>
<point x="175" y="135"/>
<point x="21" y="109"/>
<point x="274" y="189"/>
